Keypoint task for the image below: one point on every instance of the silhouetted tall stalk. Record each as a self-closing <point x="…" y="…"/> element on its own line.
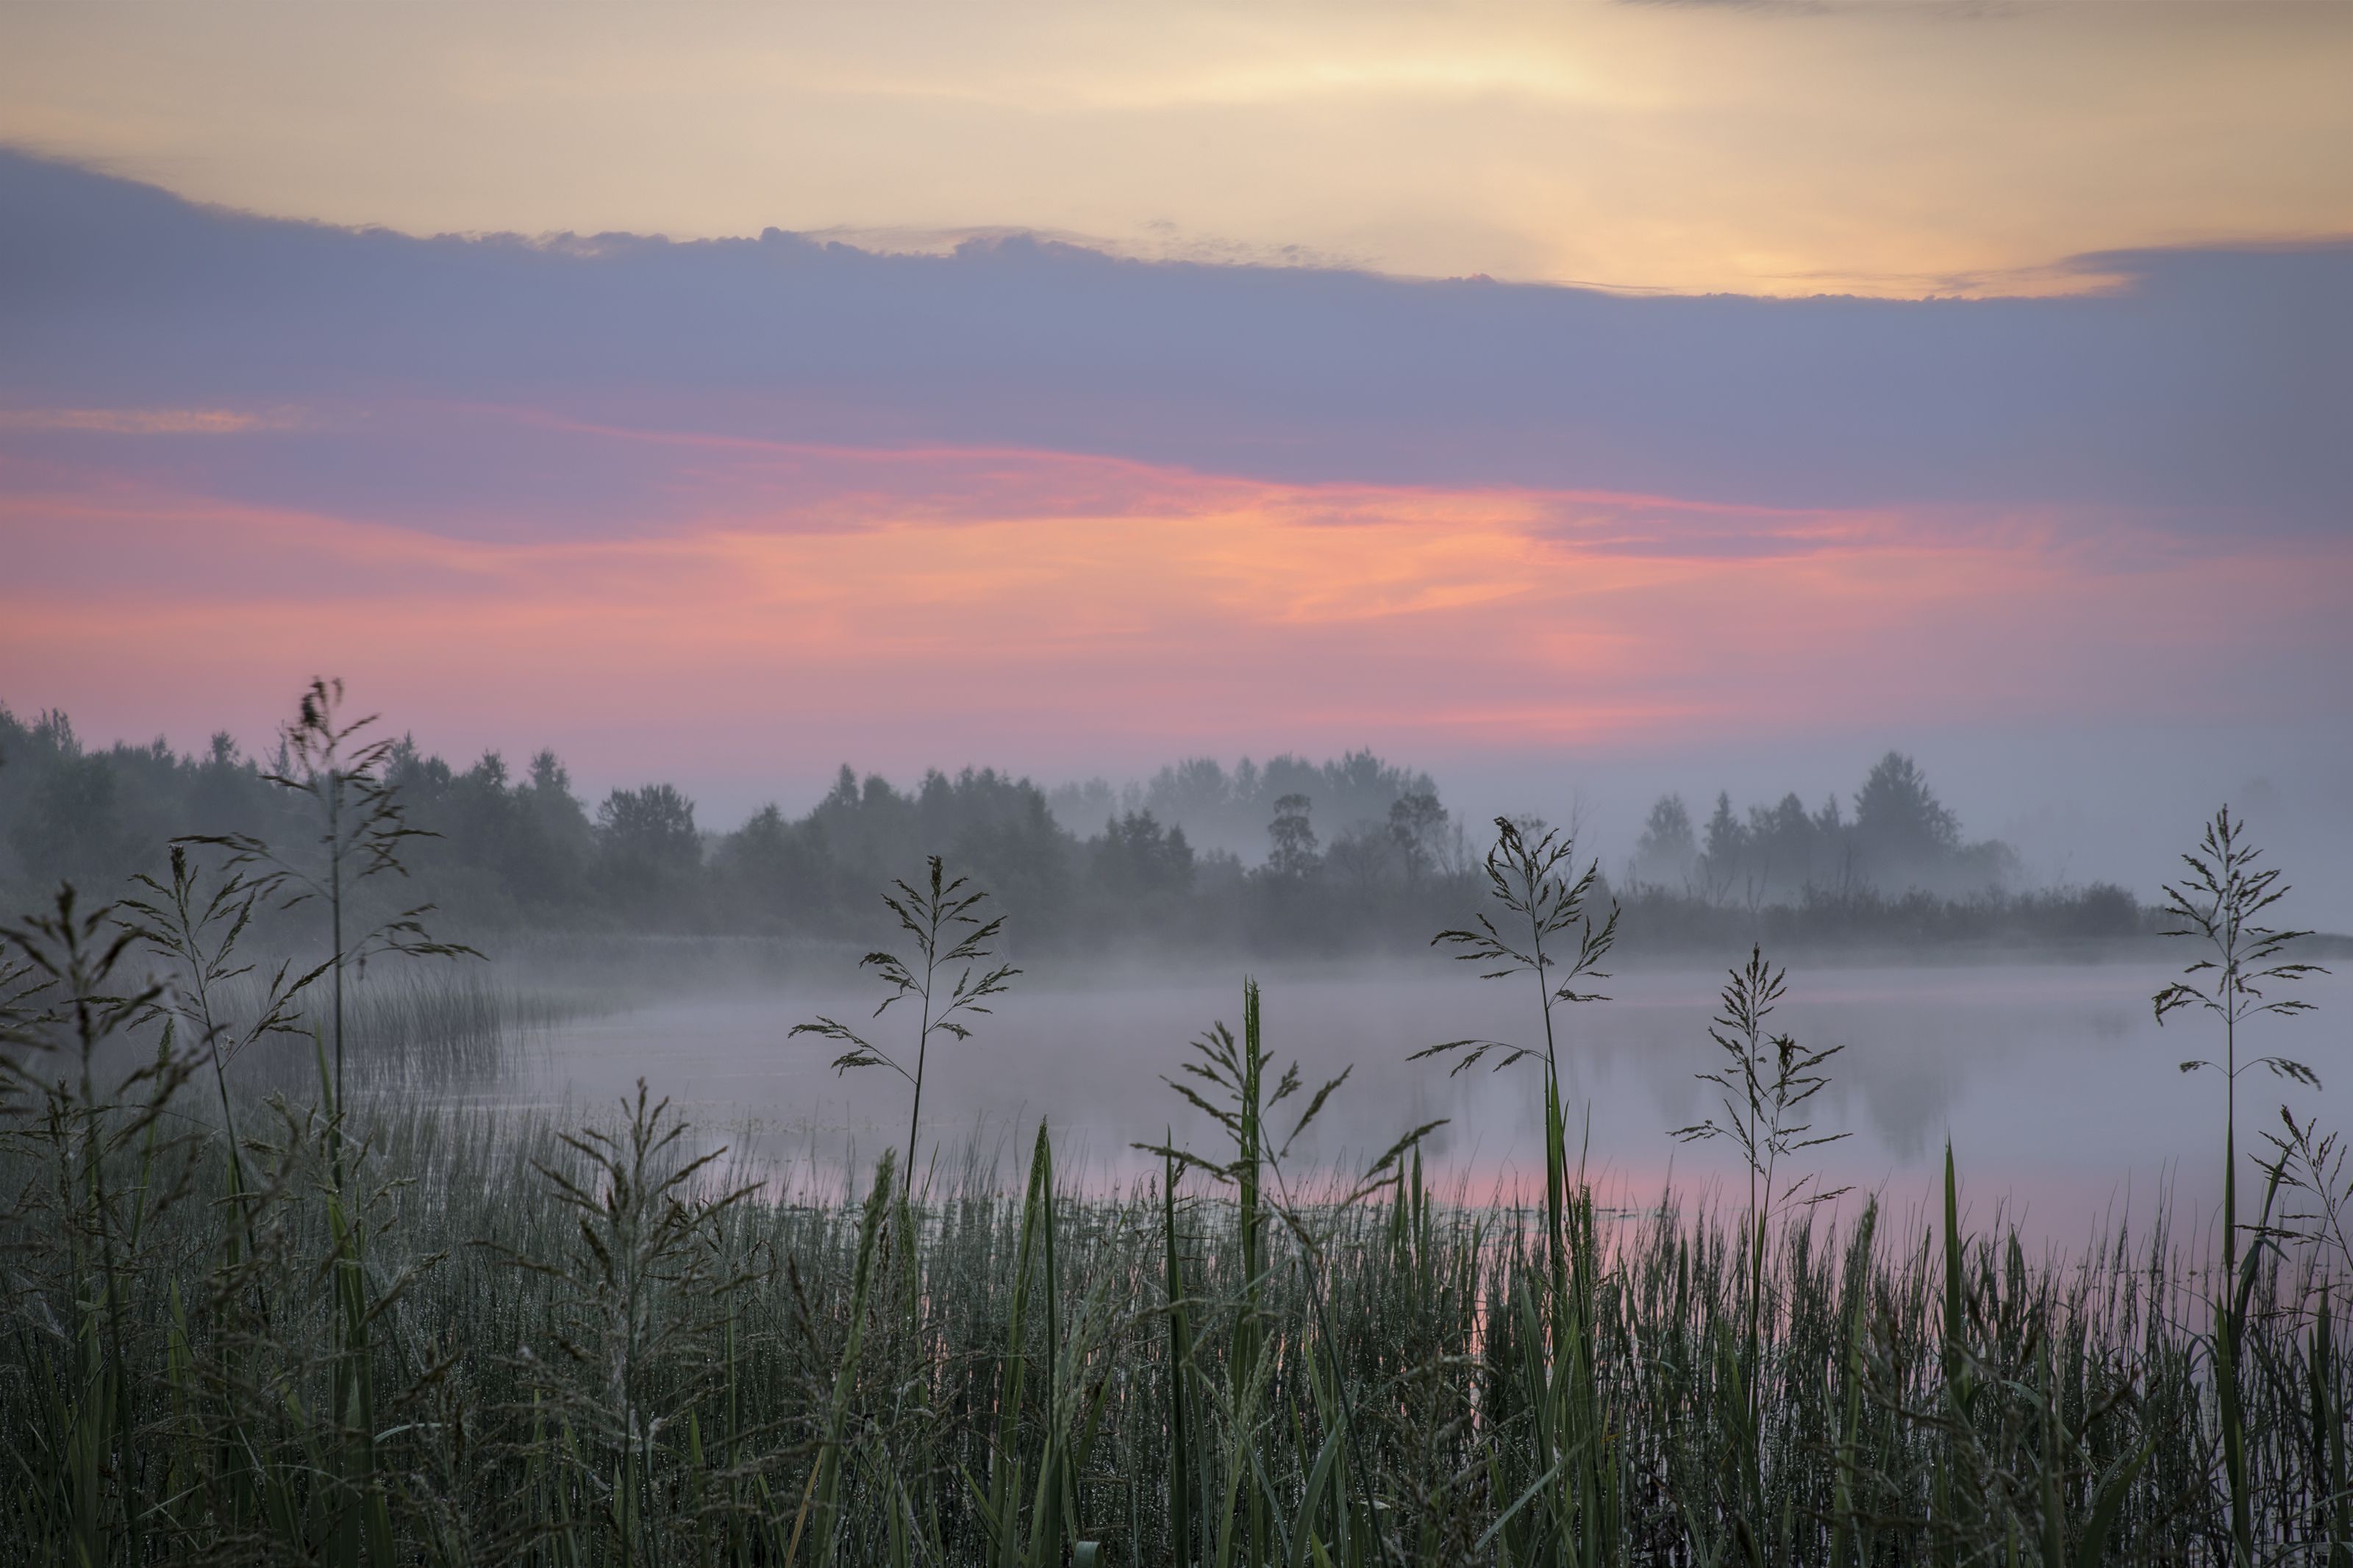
<point x="198" y="931"/>
<point x="1235" y="1073"/>
<point x="939" y="917"/>
<point x="1765" y="1083"/>
<point x="361" y="830"/>
<point x="1542" y="907"/>
<point x="2217" y="905"/>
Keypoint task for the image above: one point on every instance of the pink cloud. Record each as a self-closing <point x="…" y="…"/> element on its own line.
<point x="943" y="603"/>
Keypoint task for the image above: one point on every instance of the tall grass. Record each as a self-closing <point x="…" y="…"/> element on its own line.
<point x="1763" y="1085"/>
<point x="938" y="918"/>
<point x="2238" y="967"/>
<point x="587" y="1348"/>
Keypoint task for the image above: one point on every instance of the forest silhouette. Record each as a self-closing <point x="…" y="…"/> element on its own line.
<point x="1280" y="857"/>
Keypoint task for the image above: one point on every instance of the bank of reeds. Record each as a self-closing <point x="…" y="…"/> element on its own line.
<point x="598" y="1348"/>
<point x="445" y="1027"/>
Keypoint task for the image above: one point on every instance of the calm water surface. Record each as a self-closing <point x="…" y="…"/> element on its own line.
<point x="2061" y="1095"/>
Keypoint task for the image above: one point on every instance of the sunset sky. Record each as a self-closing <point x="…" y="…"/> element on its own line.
<point x="1561" y="397"/>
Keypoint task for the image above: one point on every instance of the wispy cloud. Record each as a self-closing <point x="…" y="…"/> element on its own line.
<point x="148" y="421"/>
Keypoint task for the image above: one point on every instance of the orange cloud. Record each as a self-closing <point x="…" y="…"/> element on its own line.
<point x="1127" y="613"/>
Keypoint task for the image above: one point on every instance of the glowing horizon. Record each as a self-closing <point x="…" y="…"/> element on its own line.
<point x="1128" y="613"/>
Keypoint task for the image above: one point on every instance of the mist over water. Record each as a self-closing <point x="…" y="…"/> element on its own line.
<point x="2062" y="1095"/>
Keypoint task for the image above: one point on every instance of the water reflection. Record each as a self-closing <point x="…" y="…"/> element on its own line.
<point x="2059" y="1090"/>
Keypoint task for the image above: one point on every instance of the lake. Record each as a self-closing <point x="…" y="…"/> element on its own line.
<point x="2060" y="1092"/>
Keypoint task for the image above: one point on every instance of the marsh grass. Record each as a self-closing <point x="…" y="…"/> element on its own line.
<point x="592" y="1349"/>
<point x="448" y="1029"/>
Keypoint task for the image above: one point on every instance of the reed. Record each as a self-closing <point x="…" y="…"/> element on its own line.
<point x="587" y="1348"/>
<point x="2241" y="962"/>
<point x="1764" y="1085"/>
<point x="938" y="917"/>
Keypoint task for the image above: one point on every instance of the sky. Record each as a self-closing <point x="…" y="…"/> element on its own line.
<point x="1761" y="146"/>
<point x="1575" y="400"/>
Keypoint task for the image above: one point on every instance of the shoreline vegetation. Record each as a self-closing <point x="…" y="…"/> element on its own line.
<point x="1285" y="860"/>
<point x="256" y="1317"/>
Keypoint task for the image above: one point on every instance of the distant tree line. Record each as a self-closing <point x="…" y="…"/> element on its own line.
<point x="1354" y="796"/>
<point x="1346" y="856"/>
<point x="1900" y="839"/>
